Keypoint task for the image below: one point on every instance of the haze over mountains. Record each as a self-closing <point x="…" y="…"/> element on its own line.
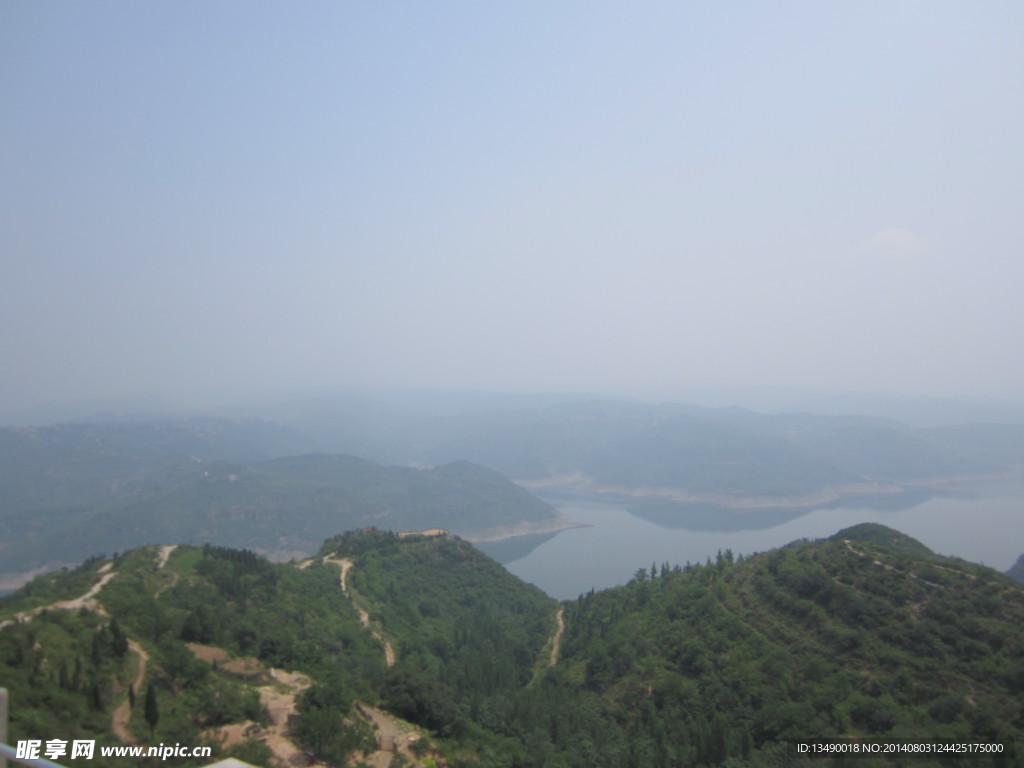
<point x="414" y="460"/>
<point x="72" y="491"/>
<point x="366" y="646"/>
<point x="727" y="230"/>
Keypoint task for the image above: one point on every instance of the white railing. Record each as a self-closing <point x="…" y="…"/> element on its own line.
<point x="7" y="752"/>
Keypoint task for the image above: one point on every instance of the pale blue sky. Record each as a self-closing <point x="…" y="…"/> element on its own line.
<point x="234" y="196"/>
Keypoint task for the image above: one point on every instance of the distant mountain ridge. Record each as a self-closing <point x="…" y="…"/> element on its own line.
<point x="72" y="491"/>
<point x="1017" y="570"/>
<point x="636" y="449"/>
<point x="102" y="486"/>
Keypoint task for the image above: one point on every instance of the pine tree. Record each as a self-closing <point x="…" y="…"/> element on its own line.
<point x="118" y="640"/>
<point x="98" y="645"/>
<point x="152" y="711"/>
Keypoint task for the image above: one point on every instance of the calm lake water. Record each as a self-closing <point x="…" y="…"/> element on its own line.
<point x="983" y="523"/>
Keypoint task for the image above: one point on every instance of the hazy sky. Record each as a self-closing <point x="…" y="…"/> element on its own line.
<point x="210" y="196"/>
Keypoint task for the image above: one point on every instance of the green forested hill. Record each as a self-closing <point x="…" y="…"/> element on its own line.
<point x="465" y="634"/>
<point x="866" y="635"/>
<point x="882" y="536"/>
<point x="844" y="638"/>
<point x="72" y="491"/>
<point x="430" y="591"/>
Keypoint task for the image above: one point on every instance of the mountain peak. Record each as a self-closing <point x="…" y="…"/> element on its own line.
<point x="884" y="536"/>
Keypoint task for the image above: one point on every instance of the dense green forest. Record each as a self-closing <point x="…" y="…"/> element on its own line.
<point x="845" y="638"/>
<point x="726" y="663"/>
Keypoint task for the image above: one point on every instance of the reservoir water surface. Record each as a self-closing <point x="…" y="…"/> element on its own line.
<point x="982" y="523"/>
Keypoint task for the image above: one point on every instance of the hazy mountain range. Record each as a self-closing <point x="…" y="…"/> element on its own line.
<point x="72" y="490"/>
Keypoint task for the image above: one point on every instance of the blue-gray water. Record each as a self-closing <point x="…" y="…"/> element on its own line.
<point x="983" y="523"/>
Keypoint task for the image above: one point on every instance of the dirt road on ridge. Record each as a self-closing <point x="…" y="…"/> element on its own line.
<point x="556" y="641"/>
<point x="164" y="553"/>
<point x="364" y="618"/>
<point x="87" y="600"/>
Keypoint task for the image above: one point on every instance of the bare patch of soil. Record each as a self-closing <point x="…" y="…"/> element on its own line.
<point x="394" y="735"/>
<point x="164" y="554"/>
<point x="208" y="653"/>
<point x="246" y="667"/>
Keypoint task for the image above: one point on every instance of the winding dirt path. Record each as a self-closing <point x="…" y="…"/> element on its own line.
<point x="280" y="706"/>
<point x="278" y="698"/>
<point x="161" y="560"/>
<point x="912" y="575"/>
<point x="552" y="646"/>
<point x="364" y="618"/>
<point x="556" y="640"/>
<point x="163" y="554"/>
<point x="121" y="716"/>
<point x="393" y="736"/>
<point x="87" y="600"/>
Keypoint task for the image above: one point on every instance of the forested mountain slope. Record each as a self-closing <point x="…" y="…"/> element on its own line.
<point x="846" y="638"/>
<point x="866" y="635"/>
<point x="230" y="644"/>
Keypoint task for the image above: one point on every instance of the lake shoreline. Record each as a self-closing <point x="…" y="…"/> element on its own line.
<point x="980" y="523"/>
<point x="526" y="528"/>
<point x="578" y="488"/>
